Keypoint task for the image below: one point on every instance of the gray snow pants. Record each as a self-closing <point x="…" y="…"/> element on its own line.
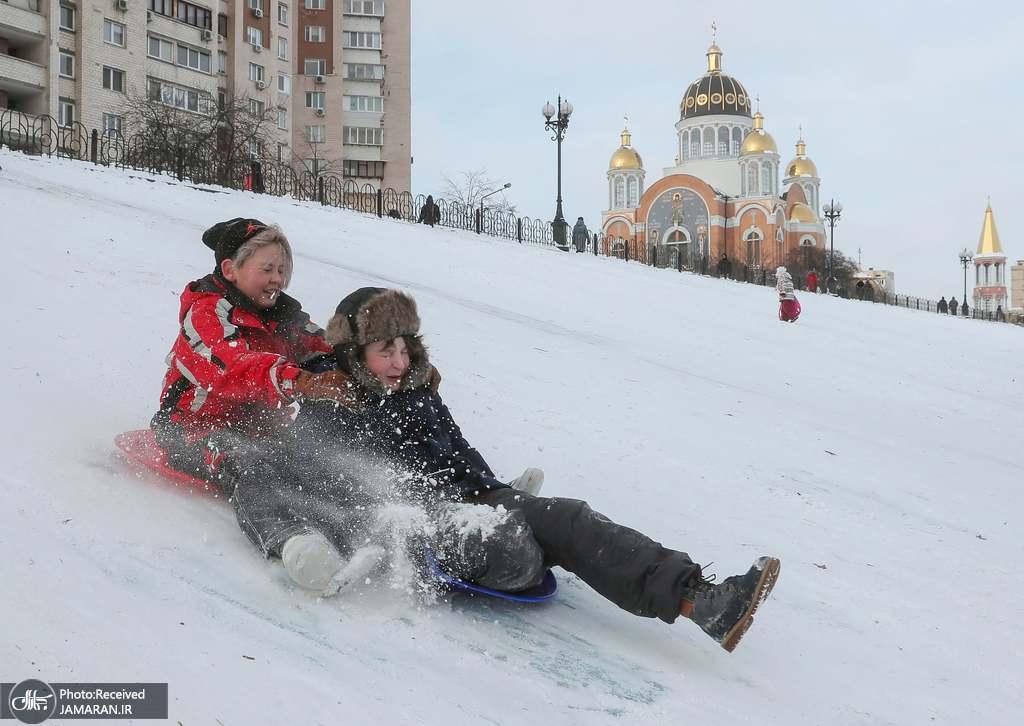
<point x="628" y="568"/>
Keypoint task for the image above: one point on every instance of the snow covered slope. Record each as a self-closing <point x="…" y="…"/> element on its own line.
<point x="876" y="450"/>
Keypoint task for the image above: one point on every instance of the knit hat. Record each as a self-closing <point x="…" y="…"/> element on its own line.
<point x="369" y="315"/>
<point x="224" y="238"/>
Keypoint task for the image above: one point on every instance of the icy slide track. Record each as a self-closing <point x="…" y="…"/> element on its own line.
<point x="877" y="451"/>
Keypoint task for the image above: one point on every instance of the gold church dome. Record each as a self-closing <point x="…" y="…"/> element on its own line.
<point x="758" y="140"/>
<point x="800" y="165"/>
<point x="625" y="157"/>
<point x="802" y="213"/>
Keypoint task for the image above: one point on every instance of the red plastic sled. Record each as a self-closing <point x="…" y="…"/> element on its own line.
<point x="140" y="448"/>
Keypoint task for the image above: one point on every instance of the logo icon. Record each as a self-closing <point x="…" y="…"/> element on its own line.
<point x="32" y="701"/>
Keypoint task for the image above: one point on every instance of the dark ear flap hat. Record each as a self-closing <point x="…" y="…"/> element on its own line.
<point x="224" y="238"/>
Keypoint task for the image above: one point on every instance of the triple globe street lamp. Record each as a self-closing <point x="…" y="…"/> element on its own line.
<point x="965" y="260"/>
<point x="833" y="211"/>
<point x="557" y="121"/>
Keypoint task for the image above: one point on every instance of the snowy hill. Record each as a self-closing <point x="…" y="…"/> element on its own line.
<point x="876" y="450"/>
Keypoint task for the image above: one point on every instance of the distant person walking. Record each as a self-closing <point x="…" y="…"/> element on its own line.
<point x="580" y="235"/>
<point x="430" y="213"/>
<point x="789" y="307"/>
<point x="943" y="306"/>
<point x="953" y="305"/>
<point x="724" y="266"/>
<point x="1000" y="315"/>
<point x="812" y="281"/>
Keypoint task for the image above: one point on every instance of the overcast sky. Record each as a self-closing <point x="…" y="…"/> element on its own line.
<point x="912" y="111"/>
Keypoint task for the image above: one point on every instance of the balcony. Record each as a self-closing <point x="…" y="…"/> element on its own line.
<point x="21" y="24"/>
<point x="20" y="78"/>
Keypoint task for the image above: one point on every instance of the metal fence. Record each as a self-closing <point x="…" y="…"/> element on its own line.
<point x="206" y="164"/>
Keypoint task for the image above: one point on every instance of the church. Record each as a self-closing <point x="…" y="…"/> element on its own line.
<point x="723" y="194"/>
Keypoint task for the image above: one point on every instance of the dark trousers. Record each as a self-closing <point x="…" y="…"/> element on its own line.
<point x="628" y="568"/>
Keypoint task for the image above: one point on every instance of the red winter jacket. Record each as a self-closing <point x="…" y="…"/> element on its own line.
<point x="232" y="364"/>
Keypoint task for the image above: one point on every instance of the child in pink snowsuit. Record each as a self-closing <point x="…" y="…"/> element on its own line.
<point x="789" y="306"/>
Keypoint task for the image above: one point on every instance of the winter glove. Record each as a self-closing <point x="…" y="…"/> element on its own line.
<point x="435" y="379"/>
<point x="326" y="386"/>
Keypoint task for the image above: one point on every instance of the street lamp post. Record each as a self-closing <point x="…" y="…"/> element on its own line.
<point x="557" y="122"/>
<point x="965" y="260"/>
<point x="832" y="213"/>
<point x="499" y="189"/>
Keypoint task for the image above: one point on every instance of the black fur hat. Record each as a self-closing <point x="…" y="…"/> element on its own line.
<point x="224" y="238"/>
<point x="372" y="314"/>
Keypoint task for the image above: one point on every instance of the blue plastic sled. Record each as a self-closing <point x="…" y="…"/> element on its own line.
<point x="141" y="448"/>
<point x="544" y="591"/>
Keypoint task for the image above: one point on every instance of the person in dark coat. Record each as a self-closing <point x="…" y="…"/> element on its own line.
<point x="430" y="212"/>
<point x="1000" y="315"/>
<point x="942" y="306"/>
<point x="256" y="171"/>
<point x="953" y="306"/>
<point x="580" y="235"/>
<point x="398" y="421"/>
<point x="724" y="266"/>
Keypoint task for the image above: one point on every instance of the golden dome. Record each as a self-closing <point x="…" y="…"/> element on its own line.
<point x="801" y="165"/>
<point x="625" y="157"/>
<point x="758" y="141"/>
<point x="802" y="213"/>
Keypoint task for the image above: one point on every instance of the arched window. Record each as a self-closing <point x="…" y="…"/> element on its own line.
<point x="743" y="180"/>
<point x="634" y="191"/>
<point x="695" y="144"/>
<point x="620" y="193"/>
<point x="766" y="178"/>
<point x="684" y="144"/>
<point x="723" y="141"/>
<point x="753" y="249"/>
<point x="737" y="139"/>
<point x="977" y="275"/>
<point x="752" y="178"/>
<point x="709" y="142"/>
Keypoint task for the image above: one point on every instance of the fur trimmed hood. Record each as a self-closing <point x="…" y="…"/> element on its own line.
<point x="369" y="315"/>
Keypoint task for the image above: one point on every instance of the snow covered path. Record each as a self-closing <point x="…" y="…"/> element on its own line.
<point x="876" y="450"/>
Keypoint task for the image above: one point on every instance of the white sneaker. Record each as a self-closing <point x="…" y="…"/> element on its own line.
<point x="530" y="481"/>
<point x="311" y="561"/>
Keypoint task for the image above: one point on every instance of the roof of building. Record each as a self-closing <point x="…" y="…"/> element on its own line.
<point x="989" y="243"/>
<point x="625" y="157"/>
<point x="715" y="92"/>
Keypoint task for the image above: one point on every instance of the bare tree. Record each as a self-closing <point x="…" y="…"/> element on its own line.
<point x="802" y="260"/>
<point x="470" y="189"/>
<point x="314" y="159"/>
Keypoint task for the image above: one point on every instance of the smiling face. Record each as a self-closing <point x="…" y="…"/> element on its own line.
<point x="261" y="276"/>
<point x="388" y="361"/>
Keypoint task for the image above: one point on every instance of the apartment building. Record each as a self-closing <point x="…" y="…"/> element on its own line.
<point x="332" y="77"/>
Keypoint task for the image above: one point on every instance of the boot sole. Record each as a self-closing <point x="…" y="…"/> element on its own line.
<point x="769" y="577"/>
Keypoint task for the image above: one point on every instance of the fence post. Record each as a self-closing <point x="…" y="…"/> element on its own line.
<point x="625" y="251"/>
<point x="380" y="203"/>
<point x="476" y="220"/>
<point x="519" y="229"/>
<point x="595" y="244"/>
<point x="93" y="140"/>
<point x="320" y="189"/>
<point x="179" y="163"/>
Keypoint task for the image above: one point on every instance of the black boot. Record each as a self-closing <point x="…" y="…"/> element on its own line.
<point x="726" y="611"/>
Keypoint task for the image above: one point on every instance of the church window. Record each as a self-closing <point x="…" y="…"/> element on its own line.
<point x="709" y="143"/>
<point x="752" y="179"/>
<point x="634" y="191"/>
<point x="620" y="193"/>
<point x="737" y="139"/>
<point x="754" y="249"/>
<point x="743" y="180"/>
<point x="766" y="178"/>
<point x="723" y="141"/>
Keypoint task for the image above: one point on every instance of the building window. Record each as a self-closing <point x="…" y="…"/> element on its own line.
<point x="282" y="14"/>
<point x="162" y="7"/>
<point x="634" y="192"/>
<point x="192" y="14"/>
<point x="255" y="149"/>
<point x="161" y="49"/>
<point x="284" y="83"/>
<point x="364" y="135"/>
<point x="257" y="108"/>
<point x="222" y="62"/>
<point x="282" y="119"/>
<point x="188" y="99"/>
<point x="314" y="4"/>
<point x="620" y="193"/>
<point x="364" y="7"/>
<point x="315" y="34"/>
<point x="359" y="39"/>
<point x="315" y="99"/>
<point x="256" y="5"/>
<point x="363" y="169"/>
<point x="314" y="67"/>
<point x="282" y="47"/>
<point x="364" y="72"/>
<point x="66" y="114"/>
<point x="315" y="166"/>
<point x="67" y="18"/>
<point x="256" y="72"/>
<point x="316" y="134"/>
<point x="112" y="124"/>
<point x="222" y="25"/>
<point x="255" y="35"/>
<point x="113" y="79"/>
<point x="366" y="103"/>
<point x="67" y="64"/>
<point x="753" y="250"/>
<point x="113" y="33"/>
<point x="282" y="152"/>
<point x="197" y="60"/>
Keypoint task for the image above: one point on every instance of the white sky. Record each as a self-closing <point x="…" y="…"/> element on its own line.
<point x="911" y="110"/>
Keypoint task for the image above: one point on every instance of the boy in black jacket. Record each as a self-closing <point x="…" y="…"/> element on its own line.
<point x="398" y="420"/>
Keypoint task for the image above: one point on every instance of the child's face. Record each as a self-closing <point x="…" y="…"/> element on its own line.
<point x="261" y="277"/>
<point x="388" y="360"/>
